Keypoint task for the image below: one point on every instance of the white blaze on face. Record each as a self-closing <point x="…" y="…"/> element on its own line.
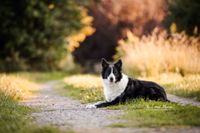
<point x="111" y="77"/>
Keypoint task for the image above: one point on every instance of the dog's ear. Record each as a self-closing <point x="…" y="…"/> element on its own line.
<point x="104" y="63"/>
<point x="119" y="63"/>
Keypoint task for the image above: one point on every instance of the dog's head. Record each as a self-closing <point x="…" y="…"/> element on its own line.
<point x="111" y="71"/>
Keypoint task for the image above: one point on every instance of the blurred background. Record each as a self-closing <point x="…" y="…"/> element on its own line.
<point x="64" y="41"/>
<point x="151" y="37"/>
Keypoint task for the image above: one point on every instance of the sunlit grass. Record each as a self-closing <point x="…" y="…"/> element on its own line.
<point x="22" y="84"/>
<point x="16" y="87"/>
<point x="86" y="88"/>
<point x="157" y="53"/>
<point x="84" y="81"/>
<point x="14" y="117"/>
<point x="40" y="77"/>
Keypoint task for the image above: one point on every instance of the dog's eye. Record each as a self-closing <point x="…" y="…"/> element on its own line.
<point x="115" y="71"/>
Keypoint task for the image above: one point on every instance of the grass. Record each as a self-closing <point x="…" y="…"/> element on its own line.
<point x="187" y="86"/>
<point x="40" y="77"/>
<point x="152" y="114"/>
<point x="22" y="84"/>
<point x="14" y="117"/>
<point x="157" y="53"/>
<point x="16" y="87"/>
<point x="139" y="113"/>
<point x="86" y="88"/>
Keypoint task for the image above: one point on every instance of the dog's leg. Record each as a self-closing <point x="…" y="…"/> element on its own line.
<point x="102" y="104"/>
<point x="90" y="106"/>
<point x="105" y="104"/>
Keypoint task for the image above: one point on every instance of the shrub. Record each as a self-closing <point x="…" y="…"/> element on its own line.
<point x="33" y="31"/>
<point x="185" y="14"/>
<point x="111" y="20"/>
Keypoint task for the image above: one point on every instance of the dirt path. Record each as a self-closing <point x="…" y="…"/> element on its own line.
<point x="183" y="101"/>
<point x="71" y="114"/>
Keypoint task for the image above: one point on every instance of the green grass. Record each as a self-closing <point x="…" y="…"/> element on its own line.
<point x="84" y="95"/>
<point x="138" y="113"/>
<point x="14" y="119"/>
<point x="156" y="114"/>
<point x="86" y="88"/>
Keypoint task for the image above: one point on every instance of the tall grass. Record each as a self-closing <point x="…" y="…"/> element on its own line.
<point x="158" y="52"/>
<point x="16" y="87"/>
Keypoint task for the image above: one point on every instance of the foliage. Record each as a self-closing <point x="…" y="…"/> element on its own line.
<point x="68" y="64"/>
<point x="75" y="39"/>
<point x="159" y="52"/>
<point x="112" y="19"/>
<point x="33" y="32"/>
<point x="185" y="14"/>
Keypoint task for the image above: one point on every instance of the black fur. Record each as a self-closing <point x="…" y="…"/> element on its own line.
<point x="106" y="70"/>
<point x="134" y="89"/>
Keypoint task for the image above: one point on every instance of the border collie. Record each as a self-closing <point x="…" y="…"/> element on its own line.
<point x="118" y="87"/>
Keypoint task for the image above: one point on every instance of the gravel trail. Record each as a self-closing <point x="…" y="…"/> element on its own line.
<point x="67" y="113"/>
<point x="183" y="101"/>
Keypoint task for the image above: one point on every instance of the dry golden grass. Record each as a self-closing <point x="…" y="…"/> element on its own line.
<point x="16" y="87"/>
<point x="84" y="81"/>
<point x="157" y="53"/>
<point x="86" y="88"/>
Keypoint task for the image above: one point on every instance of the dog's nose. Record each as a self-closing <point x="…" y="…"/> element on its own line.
<point x="111" y="79"/>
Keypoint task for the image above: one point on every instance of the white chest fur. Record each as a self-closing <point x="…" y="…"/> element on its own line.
<point x="112" y="90"/>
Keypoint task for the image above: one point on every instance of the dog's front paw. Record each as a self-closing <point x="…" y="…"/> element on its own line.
<point x="91" y="106"/>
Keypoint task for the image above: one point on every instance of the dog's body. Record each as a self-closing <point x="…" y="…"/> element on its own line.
<point x="118" y="87"/>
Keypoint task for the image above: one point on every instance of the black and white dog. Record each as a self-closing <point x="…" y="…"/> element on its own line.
<point x="118" y="87"/>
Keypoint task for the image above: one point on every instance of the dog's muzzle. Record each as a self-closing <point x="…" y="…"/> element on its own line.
<point x="111" y="79"/>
